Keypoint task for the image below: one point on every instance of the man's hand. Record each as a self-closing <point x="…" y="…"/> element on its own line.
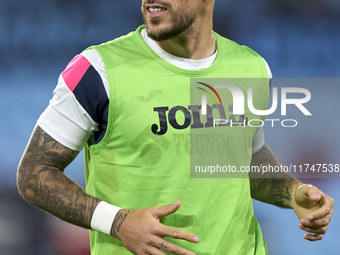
<point x="141" y="232"/>
<point x="314" y="209"/>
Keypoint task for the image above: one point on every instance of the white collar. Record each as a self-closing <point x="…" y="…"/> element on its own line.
<point x="183" y="63"/>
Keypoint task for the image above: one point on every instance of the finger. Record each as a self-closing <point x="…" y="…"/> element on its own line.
<point x="324" y="210"/>
<point x="311" y="237"/>
<point x="324" y="221"/>
<point x="314" y="193"/>
<point x="322" y="230"/>
<point x="161" y="211"/>
<point x="310" y="191"/>
<point x="172" y="248"/>
<point x="154" y="251"/>
<point x="302" y="197"/>
<point x="178" y="234"/>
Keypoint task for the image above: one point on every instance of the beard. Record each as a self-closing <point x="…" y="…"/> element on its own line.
<point x="180" y="22"/>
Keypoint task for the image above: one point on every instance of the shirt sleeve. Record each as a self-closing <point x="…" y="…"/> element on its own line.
<point x="269" y="71"/>
<point x="258" y="140"/>
<point x="80" y="96"/>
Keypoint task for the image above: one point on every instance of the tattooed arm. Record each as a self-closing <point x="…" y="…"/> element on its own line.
<point x="311" y="205"/>
<point x="275" y="189"/>
<point x="41" y="181"/>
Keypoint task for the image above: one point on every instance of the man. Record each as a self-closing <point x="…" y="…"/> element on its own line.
<point x="109" y="98"/>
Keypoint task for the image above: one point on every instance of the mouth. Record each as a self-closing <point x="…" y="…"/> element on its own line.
<point x="155" y="11"/>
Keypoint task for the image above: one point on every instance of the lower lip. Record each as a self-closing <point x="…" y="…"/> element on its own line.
<point x="156" y="14"/>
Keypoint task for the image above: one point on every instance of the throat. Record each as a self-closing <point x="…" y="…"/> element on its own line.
<point x="190" y="48"/>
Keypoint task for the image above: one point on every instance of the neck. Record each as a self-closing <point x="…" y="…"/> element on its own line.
<point x="196" y="43"/>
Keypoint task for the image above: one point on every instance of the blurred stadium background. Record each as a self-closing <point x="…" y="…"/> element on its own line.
<point x="38" y="38"/>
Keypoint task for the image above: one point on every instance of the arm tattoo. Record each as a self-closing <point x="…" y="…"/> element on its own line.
<point x="41" y="181"/>
<point x="274" y="188"/>
<point x="118" y="222"/>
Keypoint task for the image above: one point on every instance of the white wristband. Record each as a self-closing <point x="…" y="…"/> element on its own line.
<point x="103" y="217"/>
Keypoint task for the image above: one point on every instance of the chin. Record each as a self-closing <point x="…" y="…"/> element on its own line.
<point x="156" y="32"/>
